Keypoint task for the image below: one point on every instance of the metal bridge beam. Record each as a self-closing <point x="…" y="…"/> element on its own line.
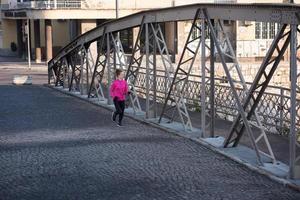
<point x="110" y="67"/>
<point x="277" y="13"/>
<point x="203" y="78"/>
<point x="235" y="94"/>
<point x="228" y="52"/>
<point x="294" y="171"/>
<point x="180" y="79"/>
<point x="76" y="71"/>
<point x="261" y="81"/>
<point x="133" y="70"/>
<point x="212" y="86"/>
<point x="95" y="89"/>
<point x="84" y="69"/>
<point x="150" y="46"/>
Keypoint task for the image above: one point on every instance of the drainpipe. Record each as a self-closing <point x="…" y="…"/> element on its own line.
<point x="117" y="9"/>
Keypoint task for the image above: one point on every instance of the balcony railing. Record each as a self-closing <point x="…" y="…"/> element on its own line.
<point x="5" y="6"/>
<point x="73" y="4"/>
<point x="95" y="4"/>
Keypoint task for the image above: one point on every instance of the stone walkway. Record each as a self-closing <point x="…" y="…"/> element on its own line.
<point x="53" y="146"/>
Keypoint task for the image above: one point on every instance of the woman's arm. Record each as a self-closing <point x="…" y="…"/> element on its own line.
<point x="126" y="88"/>
<point x="112" y="89"/>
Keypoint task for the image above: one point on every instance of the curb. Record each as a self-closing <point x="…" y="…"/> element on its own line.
<point x="33" y="68"/>
<point x="284" y="182"/>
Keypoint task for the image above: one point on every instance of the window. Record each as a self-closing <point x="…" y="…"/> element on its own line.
<point x="244" y="23"/>
<point x="272" y="30"/>
<point x="126" y="37"/>
<point x="266" y="30"/>
<point x="196" y="32"/>
<point x="151" y="38"/>
<point x="257" y="30"/>
<point x="227" y="22"/>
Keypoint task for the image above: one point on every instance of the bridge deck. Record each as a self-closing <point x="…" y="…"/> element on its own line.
<point x="54" y="146"/>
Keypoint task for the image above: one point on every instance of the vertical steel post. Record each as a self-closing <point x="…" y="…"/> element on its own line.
<point x="49" y="74"/>
<point x="154" y="76"/>
<point x="150" y="71"/>
<point x="82" y="57"/>
<point x="70" y="60"/>
<point x="212" y="85"/>
<point x="63" y="73"/>
<point x="203" y="96"/>
<point x="58" y="72"/>
<point x="87" y="69"/>
<point x="109" y="81"/>
<point x="293" y="111"/>
<point x="281" y="113"/>
<point x="70" y="71"/>
<point x="115" y="54"/>
<point x="166" y="85"/>
<point x="148" y="87"/>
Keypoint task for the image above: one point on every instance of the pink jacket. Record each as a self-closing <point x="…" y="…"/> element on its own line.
<point x="119" y="88"/>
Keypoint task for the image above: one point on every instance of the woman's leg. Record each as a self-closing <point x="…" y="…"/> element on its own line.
<point x="122" y="107"/>
<point x="118" y="108"/>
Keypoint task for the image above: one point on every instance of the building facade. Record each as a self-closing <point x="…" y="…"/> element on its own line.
<point x="54" y="23"/>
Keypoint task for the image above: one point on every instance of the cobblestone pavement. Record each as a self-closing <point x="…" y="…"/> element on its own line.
<point x="53" y="146"/>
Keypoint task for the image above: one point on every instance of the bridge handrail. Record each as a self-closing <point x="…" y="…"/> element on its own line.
<point x="275" y="107"/>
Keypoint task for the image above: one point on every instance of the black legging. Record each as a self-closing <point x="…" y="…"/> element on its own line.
<point x="120" y="107"/>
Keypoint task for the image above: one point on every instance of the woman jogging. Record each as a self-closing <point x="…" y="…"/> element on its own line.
<point x="118" y="91"/>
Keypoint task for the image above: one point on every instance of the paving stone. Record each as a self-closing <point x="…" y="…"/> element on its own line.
<point x="54" y="146"/>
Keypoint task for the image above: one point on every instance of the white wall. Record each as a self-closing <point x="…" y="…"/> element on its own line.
<point x="12" y="3"/>
<point x="140" y="4"/>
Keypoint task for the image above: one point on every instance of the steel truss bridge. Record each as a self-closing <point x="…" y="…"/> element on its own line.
<point x="75" y="68"/>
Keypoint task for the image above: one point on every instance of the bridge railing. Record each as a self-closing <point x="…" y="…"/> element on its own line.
<point x="273" y="109"/>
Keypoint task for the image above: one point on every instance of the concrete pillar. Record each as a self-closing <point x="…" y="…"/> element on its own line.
<point x="20" y="38"/>
<point x="48" y="39"/>
<point x="37" y="41"/>
<point x="28" y="39"/>
<point x="87" y="25"/>
<point x="73" y="28"/>
<point x="171" y="38"/>
<point x="135" y="33"/>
